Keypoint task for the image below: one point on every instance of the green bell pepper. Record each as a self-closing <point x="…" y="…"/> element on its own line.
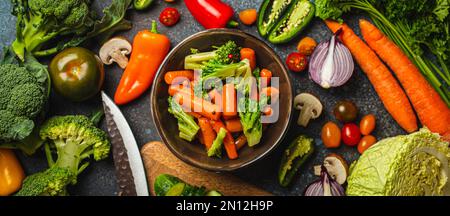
<point x="282" y="20"/>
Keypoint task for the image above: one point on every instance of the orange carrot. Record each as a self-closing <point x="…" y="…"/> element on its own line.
<point x="273" y="92"/>
<point x="247" y="53"/>
<point x="195" y="115"/>
<point x="240" y="141"/>
<point x="431" y="109"/>
<point x="228" y="117"/>
<point x="216" y="98"/>
<point x="173" y="89"/>
<point x="266" y="75"/>
<point x="200" y="137"/>
<point x="174" y="77"/>
<point x="233" y="125"/>
<point x="387" y="88"/>
<point x="229" y="100"/>
<point x="194" y="104"/>
<point x="228" y="141"/>
<point x="207" y="132"/>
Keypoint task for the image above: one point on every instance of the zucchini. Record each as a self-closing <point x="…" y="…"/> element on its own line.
<point x="294" y="156"/>
<point x="167" y="185"/>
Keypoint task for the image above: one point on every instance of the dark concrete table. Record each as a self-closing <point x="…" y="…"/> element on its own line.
<point x="99" y="178"/>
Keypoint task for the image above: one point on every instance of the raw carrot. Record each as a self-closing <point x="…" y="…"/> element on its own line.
<point x="240" y="141"/>
<point x="248" y="53"/>
<point x="228" y="142"/>
<point x="174" y="77"/>
<point x="207" y="132"/>
<point x="233" y="125"/>
<point x="387" y="88"/>
<point x="229" y="100"/>
<point x="271" y="91"/>
<point x="431" y="109"/>
<point x="194" y="104"/>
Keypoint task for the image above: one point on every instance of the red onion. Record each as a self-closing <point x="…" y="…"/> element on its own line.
<point x="325" y="186"/>
<point x="331" y="64"/>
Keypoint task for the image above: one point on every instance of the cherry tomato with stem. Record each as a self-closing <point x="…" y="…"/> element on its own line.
<point x="331" y="135"/>
<point x="365" y="143"/>
<point x="169" y="16"/>
<point x="296" y="62"/>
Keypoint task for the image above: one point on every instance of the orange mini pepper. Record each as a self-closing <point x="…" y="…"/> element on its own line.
<point x="149" y="50"/>
<point x="11" y="173"/>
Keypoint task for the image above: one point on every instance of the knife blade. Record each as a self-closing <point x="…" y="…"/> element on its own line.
<point x="127" y="158"/>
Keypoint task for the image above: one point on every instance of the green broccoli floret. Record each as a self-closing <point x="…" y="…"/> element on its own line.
<point x="51" y="182"/>
<point x="41" y="21"/>
<point x="216" y="147"/>
<point x="22" y="98"/>
<point x="75" y="139"/>
<point x="186" y="124"/>
<point x="223" y="55"/>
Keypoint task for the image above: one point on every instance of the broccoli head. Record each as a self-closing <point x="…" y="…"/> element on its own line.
<point x="51" y="182"/>
<point x="74" y="139"/>
<point x="41" y="21"/>
<point x="22" y="98"/>
<point x="222" y="55"/>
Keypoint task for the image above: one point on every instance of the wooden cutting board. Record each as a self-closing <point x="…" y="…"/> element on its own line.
<point x="159" y="160"/>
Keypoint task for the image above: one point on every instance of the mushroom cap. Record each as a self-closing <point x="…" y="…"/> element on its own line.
<point x="115" y="44"/>
<point x="308" y="99"/>
<point x="336" y="167"/>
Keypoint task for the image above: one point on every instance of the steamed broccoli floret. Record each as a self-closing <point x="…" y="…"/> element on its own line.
<point x="223" y="55"/>
<point x="40" y="21"/>
<point x="216" y="147"/>
<point x="22" y="98"/>
<point x="186" y="124"/>
<point x="75" y="138"/>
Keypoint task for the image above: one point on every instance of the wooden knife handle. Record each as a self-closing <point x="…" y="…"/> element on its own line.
<point x="159" y="160"/>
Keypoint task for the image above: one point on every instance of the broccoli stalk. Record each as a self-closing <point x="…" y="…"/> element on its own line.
<point x="216" y="147"/>
<point x="186" y="124"/>
<point x="75" y="139"/>
<point x="225" y="54"/>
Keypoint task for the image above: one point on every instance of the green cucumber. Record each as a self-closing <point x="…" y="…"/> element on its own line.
<point x="294" y="157"/>
<point x="293" y="22"/>
<point x="176" y="190"/>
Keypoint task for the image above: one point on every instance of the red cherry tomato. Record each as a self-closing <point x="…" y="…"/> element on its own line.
<point x="351" y="134"/>
<point x="296" y="62"/>
<point x="169" y="16"/>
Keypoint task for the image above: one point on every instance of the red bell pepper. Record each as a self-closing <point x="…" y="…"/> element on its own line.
<point x="211" y="13"/>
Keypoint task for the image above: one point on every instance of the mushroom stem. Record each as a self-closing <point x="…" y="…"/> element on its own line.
<point x="305" y="116"/>
<point x="121" y="59"/>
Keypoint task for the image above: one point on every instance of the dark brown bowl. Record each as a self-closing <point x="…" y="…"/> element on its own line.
<point x="194" y="153"/>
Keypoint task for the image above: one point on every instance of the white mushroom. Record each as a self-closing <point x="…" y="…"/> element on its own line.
<point x="309" y="106"/>
<point x="336" y="167"/>
<point x="116" y="49"/>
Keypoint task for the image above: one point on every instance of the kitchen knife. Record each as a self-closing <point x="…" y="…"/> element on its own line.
<point x="127" y="159"/>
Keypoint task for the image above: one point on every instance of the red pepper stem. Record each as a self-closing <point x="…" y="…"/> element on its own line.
<point x="154" y="27"/>
<point x="232" y="24"/>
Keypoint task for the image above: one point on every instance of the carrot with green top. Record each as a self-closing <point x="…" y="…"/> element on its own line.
<point x="429" y="106"/>
<point x="391" y="94"/>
